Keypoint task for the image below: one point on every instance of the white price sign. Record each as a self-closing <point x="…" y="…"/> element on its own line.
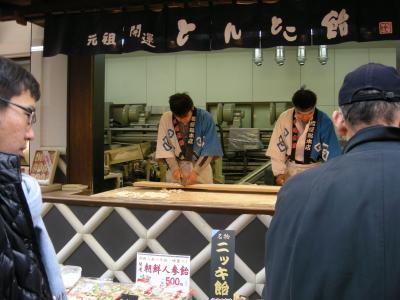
<point x="163" y="270"/>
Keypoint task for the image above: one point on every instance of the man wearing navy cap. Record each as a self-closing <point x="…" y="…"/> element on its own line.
<point x="335" y="230"/>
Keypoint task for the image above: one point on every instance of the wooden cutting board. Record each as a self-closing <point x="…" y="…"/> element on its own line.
<point x="192" y="200"/>
<point x="234" y="188"/>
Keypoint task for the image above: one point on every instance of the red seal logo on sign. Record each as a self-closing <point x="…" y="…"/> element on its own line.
<point x="385" y="28"/>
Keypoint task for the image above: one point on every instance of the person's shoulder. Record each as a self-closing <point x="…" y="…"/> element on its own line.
<point x="33" y="194"/>
<point x="203" y="114"/>
<point x="202" y="111"/>
<point x="166" y="115"/>
<point x="286" y="114"/>
<point x="325" y="120"/>
<point x="323" y="116"/>
<point x="29" y="181"/>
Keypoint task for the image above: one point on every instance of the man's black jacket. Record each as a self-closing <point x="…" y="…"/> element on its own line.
<point x="22" y="274"/>
<point x="335" y="233"/>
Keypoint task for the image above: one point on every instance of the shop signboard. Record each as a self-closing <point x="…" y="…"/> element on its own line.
<point x="213" y="27"/>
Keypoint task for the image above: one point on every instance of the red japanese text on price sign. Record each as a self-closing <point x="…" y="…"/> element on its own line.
<point x="163" y="270"/>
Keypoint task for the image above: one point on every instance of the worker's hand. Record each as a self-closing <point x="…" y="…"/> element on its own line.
<point x="192" y="178"/>
<point x="177" y="174"/>
<point x="280" y="179"/>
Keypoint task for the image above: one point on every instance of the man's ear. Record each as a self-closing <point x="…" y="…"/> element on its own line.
<point x="340" y="124"/>
<point x="397" y="122"/>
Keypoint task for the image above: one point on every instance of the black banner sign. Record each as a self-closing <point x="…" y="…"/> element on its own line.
<point x="82" y="34"/>
<point x="144" y="31"/>
<point x="281" y="23"/>
<point x="222" y="269"/>
<point x="188" y="29"/>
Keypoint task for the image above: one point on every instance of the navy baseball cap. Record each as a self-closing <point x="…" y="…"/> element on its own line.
<point x="370" y="82"/>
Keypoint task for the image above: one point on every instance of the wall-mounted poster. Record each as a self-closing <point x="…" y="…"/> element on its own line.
<point x="44" y="166"/>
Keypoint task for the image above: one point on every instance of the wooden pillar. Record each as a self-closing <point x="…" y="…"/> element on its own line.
<point x="98" y="123"/>
<point x="85" y="145"/>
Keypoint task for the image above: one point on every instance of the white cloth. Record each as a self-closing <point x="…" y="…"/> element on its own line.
<point x="280" y="145"/>
<point x="167" y="142"/>
<point x="33" y="196"/>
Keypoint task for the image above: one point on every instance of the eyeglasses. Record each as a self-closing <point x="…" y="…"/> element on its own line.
<point x="30" y="112"/>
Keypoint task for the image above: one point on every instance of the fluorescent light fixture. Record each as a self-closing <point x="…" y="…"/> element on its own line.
<point x="301" y="55"/>
<point x="258" y="53"/>
<point x="280" y="55"/>
<point x="258" y="57"/>
<point x="36" y="48"/>
<point x="323" y="54"/>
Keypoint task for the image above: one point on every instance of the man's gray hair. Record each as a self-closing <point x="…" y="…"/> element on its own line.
<point x="370" y="112"/>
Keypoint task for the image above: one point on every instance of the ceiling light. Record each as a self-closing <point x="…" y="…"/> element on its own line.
<point x="301" y="55"/>
<point x="36" y="48"/>
<point x="280" y="55"/>
<point x="323" y="54"/>
<point x="258" y="54"/>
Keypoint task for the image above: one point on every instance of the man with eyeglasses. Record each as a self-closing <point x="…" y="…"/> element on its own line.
<point x="303" y="137"/>
<point x="335" y="232"/>
<point x="29" y="111"/>
<point x="28" y="263"/>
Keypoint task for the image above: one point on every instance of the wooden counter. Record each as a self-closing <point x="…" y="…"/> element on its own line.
<point x="193" y="200"/>
<point x="103" y="233"/>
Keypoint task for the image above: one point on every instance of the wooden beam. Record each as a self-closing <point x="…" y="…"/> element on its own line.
<point x="17" y="2"/>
